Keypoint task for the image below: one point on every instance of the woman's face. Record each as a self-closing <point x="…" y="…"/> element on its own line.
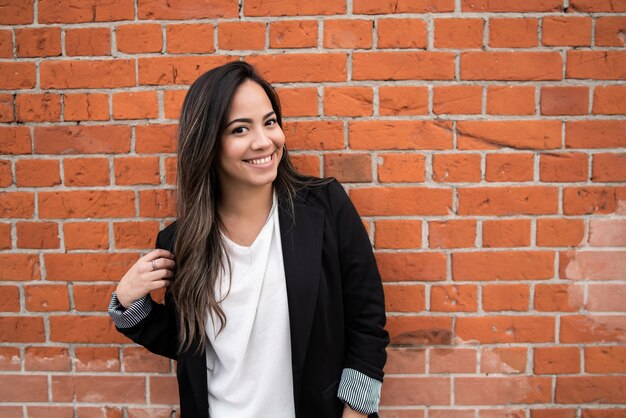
<point x="252" y="141"/>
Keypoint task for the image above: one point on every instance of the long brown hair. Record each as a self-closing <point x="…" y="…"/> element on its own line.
<point x="198" y="244"/>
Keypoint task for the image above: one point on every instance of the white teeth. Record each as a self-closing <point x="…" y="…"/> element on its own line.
<point x="260" y="160"/>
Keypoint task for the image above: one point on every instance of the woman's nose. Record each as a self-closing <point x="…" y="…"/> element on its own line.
<point x="261" y="139"/>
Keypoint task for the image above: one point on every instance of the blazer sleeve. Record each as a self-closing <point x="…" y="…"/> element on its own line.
<point x="157" y="331"/>
<point x="363" y="298"/>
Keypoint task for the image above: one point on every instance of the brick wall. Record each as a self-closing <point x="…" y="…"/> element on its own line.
<point x="481" y="140"/>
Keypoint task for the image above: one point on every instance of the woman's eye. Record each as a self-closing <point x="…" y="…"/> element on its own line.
<point x="271" y="122"/>
<point x="239" y="130"/>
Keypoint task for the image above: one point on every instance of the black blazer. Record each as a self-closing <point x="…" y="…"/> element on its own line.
<point x="335" y="298"/>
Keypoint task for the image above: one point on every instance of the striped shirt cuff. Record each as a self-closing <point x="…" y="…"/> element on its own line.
<point x="359" y="391"/>
<point x="136" y="312"/>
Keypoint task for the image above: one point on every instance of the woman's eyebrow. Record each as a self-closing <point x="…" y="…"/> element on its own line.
<point x="247" y="120"/>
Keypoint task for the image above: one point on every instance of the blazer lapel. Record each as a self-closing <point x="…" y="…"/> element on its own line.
<point x="301" y="240"/>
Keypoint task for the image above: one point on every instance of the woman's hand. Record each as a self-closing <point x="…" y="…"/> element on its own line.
<point x="351" y="413"/>
<point x="150" y="272"/>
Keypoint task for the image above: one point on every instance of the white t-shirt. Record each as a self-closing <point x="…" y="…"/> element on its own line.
<point x="249" y="362"/>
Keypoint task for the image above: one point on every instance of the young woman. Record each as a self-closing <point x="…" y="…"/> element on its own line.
<point x="274" y="304"/>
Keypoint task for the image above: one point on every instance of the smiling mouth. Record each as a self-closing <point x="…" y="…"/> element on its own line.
<point x="261" y="161"/>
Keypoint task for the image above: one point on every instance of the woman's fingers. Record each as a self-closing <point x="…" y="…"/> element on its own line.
<point x="158" y="253"/>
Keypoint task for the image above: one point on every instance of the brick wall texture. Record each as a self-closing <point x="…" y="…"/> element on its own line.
<point x="482" y="142"/>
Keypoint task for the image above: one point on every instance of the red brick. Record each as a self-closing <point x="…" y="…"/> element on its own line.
<point x="395" y="233"/>
<point x="157" y="203"/>
<point x="38" y="42"/>
<point x="135" y="234"/>
<point x="89" y="106"/>
<point x="599" y="65"/>
<point x="506" y="297"/>
<point x="67" y="11"/>
<point x="446" y="413"/>
<point x="284" y="68"/>
<point x="16" y="12"/>
<point x="156" y="139"/>
<point x="135" y="105"/>
<point x="506" y="329"/>
<point x="6" y="177"/>
<point x="87" y="204"/>
<point x="86" y="171"/>
<point x="502" y="390"/>
<point x="401" y="33"/>
<point x="37" y="173"/>
<point x="86" y="235"/>
<point x="9" y="302"/>
<point x="560" y="232"/>
<point x="314" y="135"/>
<point x="399" y="168"/>
<point x="20" y="329"/>
<point x="402" y="6"/>
<point x="609" y="167"/>
<point x="509" y="167"/>
<point x="82" y="139"/>
<point x="452" y="360"/>
<point x="92" y="298"/>
<point x="553" y="413"/>
<point x="405" y="360"/>
<point x="372" y="201"/>
<point x="87" y="74"/>
<point x="506" y="233"/>
<point x="10" y="361"/>
<point x="597" y="6"/>
<point x="99" y="412"/>
<point x="611" y="359"/>
<point x="606" y="297"/>
<point x="88" y="41"/>
<point x="172" y="103"/>
<point x="458" y="33"/>
<point x="19" y="388"/>
<point x="84" y="329"/>
<point x="502" y="413"/>
<point x="138" y="359"/>
<point x="591" y="200"/>
<point x="511" y="6"/>
<point x="47" y="298"/>
<point x="97" y="359"/>
<point x="354" y="34"/>
<point x="404" y="100"/>
<point x="241" y="35"/>
<point x="185" y="9"/>
<point x="407" y="266"/>
<point x="163" y="390"/>
<point x="592" y="328"/>
<point x="106" y="389"/>
<point x="503" y="265"/>
<point x="457" y="99"/>
<point x="293" y="34"/>
<point x="151" y="412"/>
<point x="298" y="101"/>
<point x="293" y="8"/>
<point x="190" y="38"/>
<point x="453" y="298"/>
<point x="47" y="359"/>
<point x="509" y="360"/>
<point x="513" y="66"/>
<point x="37" y="235"/>
<point x="454" y="233"/>
<point x="137" y="170"/>
<point x="558" y="297"/>
<point x="603" y="413"/>
<point x="607" y="232"/>
<point x="588" y="389"/>
<point x="566" y="31"/>
<point x="7" y="113"/>
<point x="16" y="204"/>
<point x="17" y="75"/>
<point x="306" y="164"/>
<point x="176" y="70"/>
<point x="510" y="100"/>
<point x="454" y="168"/>
<point x="400" y="135"/>
<point x="38" y="107"/>
<point x="518" y="134"/>
<point x="609" y="100"/>
<point x="400" y="298"/>
<point x="19" y="267"/>
<point x="6" y="44"/>
<point x="570" y="100"/>
<point x="88" y="266"/>
<point x="348" y="101"/>
<point x="557" y="360"/>
<point x="513" y="32"/>
<point x="416" y="391"/>
<point x="523" y="200"/>
<point x="609" y="30"/>
<point x="420" y="330"/>
<point x="563" y="167"/>
<point x="349" y="168"/>
<point x="420" y="65"/>
<point x="590" y="134"/>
